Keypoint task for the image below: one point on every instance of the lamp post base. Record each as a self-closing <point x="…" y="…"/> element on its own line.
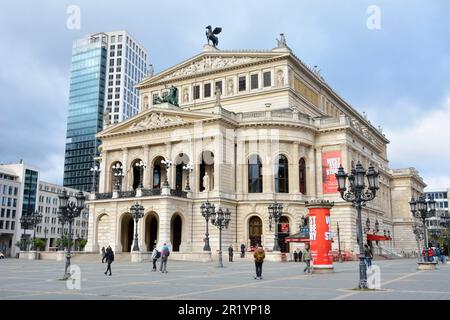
<point x="426" y="265"/>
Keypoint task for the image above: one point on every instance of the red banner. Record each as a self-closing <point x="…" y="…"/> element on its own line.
<point x="331" y="161"/>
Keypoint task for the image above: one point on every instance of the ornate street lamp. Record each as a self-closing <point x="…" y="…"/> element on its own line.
<point x="188" y="167"/>
<point x="167" y="164"/>
<point x="45" y="234"/>
<point x="95" y="170"/>
<point x="358" y="194"/>
<point x="418" y="232"/>
<point x="137" y="211"/>
<point x="368" y="224"/>
<point x="339" y="243"/>
<point x="62" y="220"/>
<point x="35" y="219"/>
<point x="377" y="226"/>
<point x="70" y="209"/>
<point x="117" y="170"/>
<point x="25" y="223"/>
<point x="207" y="210"/>
<point x="221" y="219"/>
<point x="275" y="213"/>
<point x="422" y="209"/>
<point x="142" y="166"/>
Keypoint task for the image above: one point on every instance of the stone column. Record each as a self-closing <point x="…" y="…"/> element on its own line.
<point x="125" y="169"/>
<point x="91" y="245"/>
<point x="171" y="176"/>
<point x="294" y="187"/>
<point x="104" y="176"/>
<point x="146" y="182"/>
<point x="268" y="183"/>
<point x="218" y="157"/>
<point x="320" y="235"/>
<point x="240" y="157"/>
<point x="311" y="187"/>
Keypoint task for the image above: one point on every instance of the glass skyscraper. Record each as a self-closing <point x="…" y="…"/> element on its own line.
<point x="86" y="102"/>
<point x="105" y="68"/>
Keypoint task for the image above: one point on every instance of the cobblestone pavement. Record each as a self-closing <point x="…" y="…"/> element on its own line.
<point x="25" y="279"/>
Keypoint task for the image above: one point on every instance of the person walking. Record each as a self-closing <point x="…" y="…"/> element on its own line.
<point x="368" y="255"/>
<point x="306" y="256"/>
<point x="299" y="255"/>
<point x="109" y="257"/>
<point x="259" y="256"/>
<point x="155" y="256"/>
<point x="103" y="254"/>
<point x="165" y="252"/>
<point x="242" y="250"/>
<point x="296" y="255"/>
<point x="230" y="253"/>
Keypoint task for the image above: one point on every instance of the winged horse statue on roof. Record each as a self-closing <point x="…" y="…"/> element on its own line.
<point x="210" y="35"/>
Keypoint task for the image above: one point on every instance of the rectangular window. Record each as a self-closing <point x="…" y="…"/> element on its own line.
<point x="196" y="92"/>
<point x="8" y="213"/>
<point x="7" y="225"/>
<point x="3" y="213"/>
<point x="154" y="97"/>
<point x="254" y="81"/>
<point x="1" y="224"/>
<point x="13" y="225"/>
<point x="267" y="79"/>
<point x="242" y="84"/>
<point x="13" y="214"/>
<point x="207" y="90"/>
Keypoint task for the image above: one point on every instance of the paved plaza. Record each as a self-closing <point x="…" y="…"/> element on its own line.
<point x="25" y="279"/>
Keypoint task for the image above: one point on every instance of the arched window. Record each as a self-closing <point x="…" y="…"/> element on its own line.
<point x="255" y="181"/>
<point x="281" y="174"/>
<point x="302" y="175"/>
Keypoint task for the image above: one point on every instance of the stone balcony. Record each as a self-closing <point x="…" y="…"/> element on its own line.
<point x="139" y="193"/>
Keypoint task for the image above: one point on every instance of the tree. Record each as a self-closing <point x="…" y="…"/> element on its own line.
<point x="39" y="243"/>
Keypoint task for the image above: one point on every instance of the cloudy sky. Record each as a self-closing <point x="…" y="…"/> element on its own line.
<point x="398" y="74"/>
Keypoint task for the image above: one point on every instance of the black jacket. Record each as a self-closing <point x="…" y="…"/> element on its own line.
<point x="109" y="257"/>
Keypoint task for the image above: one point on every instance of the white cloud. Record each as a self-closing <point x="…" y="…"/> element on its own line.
<point x="423" y="144"/>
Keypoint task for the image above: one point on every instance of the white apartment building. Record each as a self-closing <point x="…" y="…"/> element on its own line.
<point x="9" y="200"/>
<point x="127" y="65"/>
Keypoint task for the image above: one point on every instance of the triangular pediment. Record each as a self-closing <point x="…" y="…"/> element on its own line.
<point x="154" y="118"/>
<point x="208" y="62"/>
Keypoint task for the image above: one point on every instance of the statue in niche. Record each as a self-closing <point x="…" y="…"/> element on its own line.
<point x="105" y="118"/>
<point x="185" y="95"/>
<point x="280" y="78"/>
<point x="230" y="90"/>
<point x="218" y="94"/>
<point x="206" y="182"/>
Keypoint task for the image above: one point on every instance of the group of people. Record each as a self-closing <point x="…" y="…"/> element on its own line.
<point x="108" y="256"/>
<point x="434" y="254"/>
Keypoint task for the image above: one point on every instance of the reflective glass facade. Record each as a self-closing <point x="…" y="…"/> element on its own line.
<point x="29" y="191"/>
<point x="85" y="115"/>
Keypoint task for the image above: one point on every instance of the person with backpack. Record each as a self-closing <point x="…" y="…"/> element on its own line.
<point x="109" y="257"/>
<point x="165" y="253"/>
<point x="259" y="256"/>
<point x="155" y="256"/>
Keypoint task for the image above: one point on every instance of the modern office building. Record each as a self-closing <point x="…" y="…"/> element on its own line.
<point x="105" y="68"/>
<point x="440" y="196"/>
<point x="20" y="202"/>
<point x="50" y="228"/>
<point x="22" y="192"/>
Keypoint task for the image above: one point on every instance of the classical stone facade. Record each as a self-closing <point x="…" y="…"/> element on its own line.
<point x="263" y="127"/>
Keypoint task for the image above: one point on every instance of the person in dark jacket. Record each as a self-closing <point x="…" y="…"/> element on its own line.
<point x="242" y="250"/>
<point x="109" y="257"/>
<point x="368" y="255"/>
<point x="230" y="253"/>
<point x="295" y="256"/>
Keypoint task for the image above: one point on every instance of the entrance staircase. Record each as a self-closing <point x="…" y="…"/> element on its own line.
<point x="382" y="253"/>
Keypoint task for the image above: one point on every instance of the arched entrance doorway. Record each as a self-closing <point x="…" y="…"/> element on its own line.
<point x="283" y="232"/>
<point x="175" y="235"/>
<point x="126" y="232"/>
<point x="255" y="230"/>
<point x="151" y="231"/>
